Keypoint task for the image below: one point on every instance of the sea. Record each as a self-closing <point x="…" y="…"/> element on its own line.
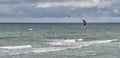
<point x="59" y="40"/>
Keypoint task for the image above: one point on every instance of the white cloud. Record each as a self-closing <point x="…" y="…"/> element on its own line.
<point x="82" y="4"/>
<point x="116" y="11"/>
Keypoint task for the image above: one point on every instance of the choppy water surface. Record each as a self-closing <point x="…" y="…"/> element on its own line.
<point x="59" y="40"/>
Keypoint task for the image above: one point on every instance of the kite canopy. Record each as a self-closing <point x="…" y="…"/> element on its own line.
<point x="84" y="22"/>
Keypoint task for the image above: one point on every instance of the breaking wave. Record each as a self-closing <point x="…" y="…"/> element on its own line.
<point x="62" y="45"/>
<point x="16" y="47"/>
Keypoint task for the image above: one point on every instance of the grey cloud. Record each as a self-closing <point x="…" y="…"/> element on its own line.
<point x="33" y="1"/>
<point x="28" y="1"/>
<point x="27" y="8"/>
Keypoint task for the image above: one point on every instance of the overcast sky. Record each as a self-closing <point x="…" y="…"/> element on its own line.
<point x="58" y="9"/>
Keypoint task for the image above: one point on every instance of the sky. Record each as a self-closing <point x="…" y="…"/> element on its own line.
<point x="34" y="9"/>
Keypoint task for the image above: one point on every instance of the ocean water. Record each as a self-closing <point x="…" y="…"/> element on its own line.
<point x="59" y="40"/>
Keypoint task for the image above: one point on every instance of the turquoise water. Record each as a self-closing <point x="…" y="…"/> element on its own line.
<point x="59" y="40"/>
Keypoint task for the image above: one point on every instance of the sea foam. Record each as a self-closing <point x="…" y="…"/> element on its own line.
<point x="16" y="47"/>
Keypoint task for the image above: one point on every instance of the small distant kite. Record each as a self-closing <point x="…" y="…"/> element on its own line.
<point x="68" y="15"/>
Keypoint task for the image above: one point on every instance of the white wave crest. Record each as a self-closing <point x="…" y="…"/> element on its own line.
<point x="103" y="41"/>
<point x="49" y="49"/>
<point x="16" y="47"/>
<point x="39" y="50"/>
<point x="62" y="42"/>
<point x="72" y="42"/>
<point x="55" y="43"/>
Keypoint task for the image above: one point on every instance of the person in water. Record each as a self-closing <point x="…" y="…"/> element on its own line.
<point x="76" y="40"/>
<point x="65" y="38"/>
